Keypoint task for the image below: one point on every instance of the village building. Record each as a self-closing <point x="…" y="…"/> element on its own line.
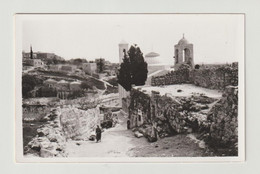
<point x="89" y="68"/>
<point x="34" y="62"/>
<point x="63" y="89"/>
<point x="68" y="68"/>
<point x="155" y="66"/>
<point x="51" y="83"/>
<point x="75" y="86"/>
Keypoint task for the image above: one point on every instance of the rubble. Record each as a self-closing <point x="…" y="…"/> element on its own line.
<point x="214" y="119"/>
<point x="49" y="141"/>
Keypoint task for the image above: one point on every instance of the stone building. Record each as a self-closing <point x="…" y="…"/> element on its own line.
<point x="51" y="83"/>
<point x="155" y="66"/>
<point x="75" y="86"/>
<point x="183" y="53"/>
<point x="89" y="68"/>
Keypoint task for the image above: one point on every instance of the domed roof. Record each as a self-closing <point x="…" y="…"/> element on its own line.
<point x="152" y="54"/>
<point x="63" y="82"/>
<point x="75" y="82"/>
<point x="51" y="80"/>
<point x="123" y="42"/>
<point x="183" y="41"/>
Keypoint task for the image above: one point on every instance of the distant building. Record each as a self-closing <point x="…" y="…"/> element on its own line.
<point x="155" y="66"/>
<point x="75" y="86"/>
<point x="183" y="53"/>
<point x="34" y="62"/>
<point x="63" y="68"/>
<point x="51" y="83"/>
<point x="89" y="68"/>
<point x="68" y="68"/>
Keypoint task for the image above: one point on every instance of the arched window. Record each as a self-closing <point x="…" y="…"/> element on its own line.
<point x="186" y="53"/>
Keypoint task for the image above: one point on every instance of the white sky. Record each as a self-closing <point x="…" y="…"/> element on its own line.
<point x="216" y="38"/>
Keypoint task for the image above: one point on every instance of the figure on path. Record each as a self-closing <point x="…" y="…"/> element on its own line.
<point x="98" y="134"/>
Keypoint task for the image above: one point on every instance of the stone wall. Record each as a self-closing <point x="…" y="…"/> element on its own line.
<point x="214" y="78"/>
<point x="171" y="78"/>
<point x="223" y="119"/>
<point x="78" y="124"/>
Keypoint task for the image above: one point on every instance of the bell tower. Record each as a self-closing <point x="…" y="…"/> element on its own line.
<point x="183" y="53"/>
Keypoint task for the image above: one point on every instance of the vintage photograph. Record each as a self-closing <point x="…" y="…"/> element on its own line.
<point x="129" y="86"/>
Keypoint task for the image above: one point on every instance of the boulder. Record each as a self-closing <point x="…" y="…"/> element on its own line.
<point x="46" y="153"/>
<point x="138" y="134"/>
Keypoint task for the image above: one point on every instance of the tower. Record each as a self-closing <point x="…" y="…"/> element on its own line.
<point x="183" y="53"/>
<point x="31" y="52"/>
<point x="122" y="92"/>
<point x="123" y="45"/>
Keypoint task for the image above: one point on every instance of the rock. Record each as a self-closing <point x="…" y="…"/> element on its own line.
<point x="138" y="134"/>
<point x="36" y="146"/>
<point x="46" y="153"/>
<point x="42" y="131"/>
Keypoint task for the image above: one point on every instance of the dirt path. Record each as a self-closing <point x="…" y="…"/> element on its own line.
<point x="115" y="143"/>
<point x="120" y="142"/>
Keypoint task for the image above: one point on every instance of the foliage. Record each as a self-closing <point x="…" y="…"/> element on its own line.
<point x="47" y="92"/>
<point x="28" y="84"/>
<point x="113" y="81"/>
<point x="85" y="85"/>
<point x="197" y="66"/>
<point x="76" y="94"/>
<point x="100" y="65"/>
<point x="133" y="70"/>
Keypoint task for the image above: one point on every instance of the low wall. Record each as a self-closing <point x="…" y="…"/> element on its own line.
<point x="214" y="78"/>
<point x="171" y="78"/>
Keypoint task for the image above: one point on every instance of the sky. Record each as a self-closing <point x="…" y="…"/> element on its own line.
<point x="215" y="38"/>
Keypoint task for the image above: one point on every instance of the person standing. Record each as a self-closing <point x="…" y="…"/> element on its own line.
<point x="98" y="134"/>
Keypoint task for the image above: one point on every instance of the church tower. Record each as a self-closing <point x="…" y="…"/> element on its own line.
<point x="183" y="53"/>
<point x="123" y="46"/>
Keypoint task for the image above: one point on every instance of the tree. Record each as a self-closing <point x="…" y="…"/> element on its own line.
<point x="100" y="65"/>
<point x="133" y="70"/>
<point x="85" y="85"/>
<point x="28" y="84"/>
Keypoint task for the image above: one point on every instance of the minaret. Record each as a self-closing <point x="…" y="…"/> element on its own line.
<point x="31" y="52"/>
<point x="122" y="92"/>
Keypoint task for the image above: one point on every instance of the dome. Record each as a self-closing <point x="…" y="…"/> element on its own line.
<point x="183" y="41"/>
<point x="123" y="42"/>
<point x="63" y="82"/>
<point x="51" y="81"/>
<point x="75" y="82"/>
<point x="152" y="54"/>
